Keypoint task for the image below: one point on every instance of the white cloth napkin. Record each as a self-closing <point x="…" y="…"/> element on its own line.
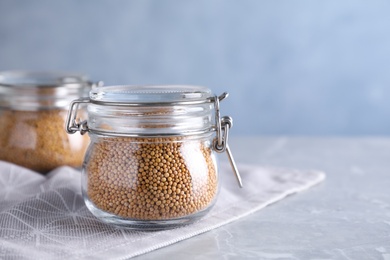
<point x="45" y="217"/>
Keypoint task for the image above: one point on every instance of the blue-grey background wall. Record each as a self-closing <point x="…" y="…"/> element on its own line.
<point x="291" y="67"/>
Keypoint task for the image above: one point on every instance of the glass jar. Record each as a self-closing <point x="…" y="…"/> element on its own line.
<point x="151" y="162"/>
<point x="33" y="110"/>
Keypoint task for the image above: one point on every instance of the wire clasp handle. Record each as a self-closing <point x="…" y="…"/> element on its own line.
<point x="72" y="124"/>
<point x="220" y="142"/>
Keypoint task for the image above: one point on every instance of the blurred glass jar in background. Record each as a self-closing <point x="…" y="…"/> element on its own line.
<point x="33" y="110"/>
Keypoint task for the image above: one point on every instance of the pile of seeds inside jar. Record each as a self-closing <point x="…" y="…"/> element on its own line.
<point x="37" y="140"/>
<point x="151" y="178"/>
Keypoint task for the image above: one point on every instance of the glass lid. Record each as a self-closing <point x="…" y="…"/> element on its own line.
<point x="159" y="94"/>
<point x="34" y="90"/>
<point x="28" y="79"/>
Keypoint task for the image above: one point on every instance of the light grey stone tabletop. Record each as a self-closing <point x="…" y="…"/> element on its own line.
<point x="345" y="217"/>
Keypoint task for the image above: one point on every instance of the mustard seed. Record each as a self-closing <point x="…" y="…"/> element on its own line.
<point x="37" y="140"/>
<point x="177" y="187"/>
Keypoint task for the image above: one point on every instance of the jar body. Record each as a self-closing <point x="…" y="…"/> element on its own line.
<point x="150" y="183"/>
<point x="36" y="139"/>
<point x="33" y="112"/>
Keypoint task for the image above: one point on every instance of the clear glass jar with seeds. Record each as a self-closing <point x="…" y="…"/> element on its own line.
<point x="33" y="111"/>
<point x="151" y="163"/>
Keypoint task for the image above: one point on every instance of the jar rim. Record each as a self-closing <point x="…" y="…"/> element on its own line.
<point x="154" y="136"/>
<point x="133" y="95"/>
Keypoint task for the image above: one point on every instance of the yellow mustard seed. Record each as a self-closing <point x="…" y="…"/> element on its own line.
<point x="37" y="140"/>
<point x="148" y="192"/>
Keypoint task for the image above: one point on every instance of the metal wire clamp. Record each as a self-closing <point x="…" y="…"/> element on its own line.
<point x="72" y="123"/>
<point x="220" y="143"/>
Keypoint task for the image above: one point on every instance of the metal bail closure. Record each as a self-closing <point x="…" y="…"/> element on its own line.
<point x="220" y="143"/>
<point x="72" y="123"/>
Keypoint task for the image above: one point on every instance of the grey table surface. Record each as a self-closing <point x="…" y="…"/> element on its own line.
<point x="345" y="217"/>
